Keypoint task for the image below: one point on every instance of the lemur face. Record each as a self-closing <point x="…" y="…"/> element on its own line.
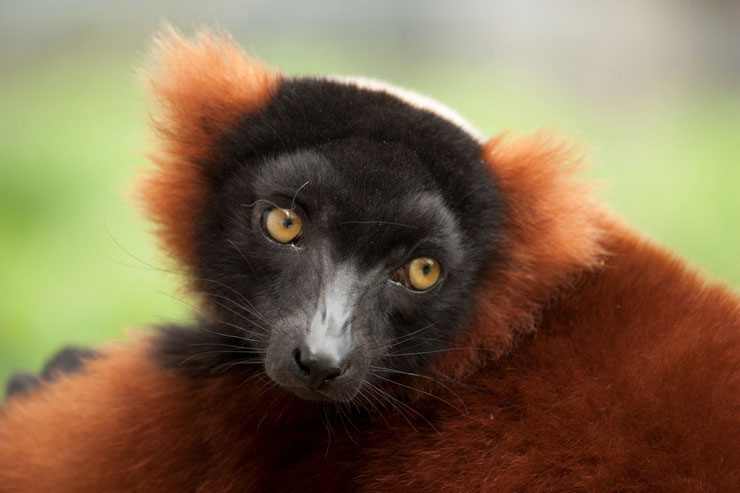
<point x="343" y="257"/>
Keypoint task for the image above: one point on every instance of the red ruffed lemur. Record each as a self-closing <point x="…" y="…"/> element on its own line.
<point x="387" y="301"/>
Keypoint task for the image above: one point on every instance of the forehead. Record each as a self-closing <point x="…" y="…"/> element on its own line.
<point x="352" y="170"/>
<point x="374" y="198"/>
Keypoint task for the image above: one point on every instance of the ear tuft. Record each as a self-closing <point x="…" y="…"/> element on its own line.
<point x="552" y="213"/>
<point x="198" y="88"/>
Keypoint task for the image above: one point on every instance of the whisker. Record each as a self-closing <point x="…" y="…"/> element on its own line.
<point x="437" y="381"/>
<point x="371" y="400"/>
<point x="412" y="410"/>
<point x="367" y="396"/>
<point x="292" y="204"/>
<point x="274" y="131"/>
<point x="389" y="223"/>
<point x="241" y="338"/>
<point x="127" y="252"/>
<point x="213" y="295"/>
<point x="441" y="351"/>
<point x="390" y="400"/>
<point x="243" y="298"/>
<point x="421" y="391"/>
<point x="224" y="367"/>
<point x="401" y="339"/>
<point x="234" y="346"/>
<point x="198" y="311"/>
<point x="234" y="311"/>
<point x="262" y="200"/>
<point x="342" y="418"/>
<point x="257" y="277"/>
<point x="212" y="352"/>
<point x="256" y="375"/>
<point x="279" y="396"/>
<point x="331" y="428"/>
<point x="468" y="194"/>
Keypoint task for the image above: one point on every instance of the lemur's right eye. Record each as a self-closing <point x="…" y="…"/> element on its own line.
<point x="282" y="225"/>
<point x="419" y="275"/>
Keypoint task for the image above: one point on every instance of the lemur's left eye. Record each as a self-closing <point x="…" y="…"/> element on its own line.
<point x="282" y="225"/>
<point x="420" y="274"/>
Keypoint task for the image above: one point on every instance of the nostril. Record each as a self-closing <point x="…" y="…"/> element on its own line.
<point x="304" y="369"/>
<point x="317" y="370"/>
<point x="333" y="374"/>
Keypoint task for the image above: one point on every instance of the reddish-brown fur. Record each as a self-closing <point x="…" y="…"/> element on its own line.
<point x="608" y="365"/>
<point x="198" y="89"/>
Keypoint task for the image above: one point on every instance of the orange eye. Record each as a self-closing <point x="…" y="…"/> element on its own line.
<point x="420" y="274"/>
<point x="283" y="225"/>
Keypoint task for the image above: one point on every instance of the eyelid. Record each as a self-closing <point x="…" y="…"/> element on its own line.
<point x="434" y="287"/>
<point x="285" y="201"/>
<point x="281" y="202"/>
<point x="432" y="250"/>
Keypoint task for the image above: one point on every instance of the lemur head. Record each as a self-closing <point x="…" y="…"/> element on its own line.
<point x="337" y="229"/>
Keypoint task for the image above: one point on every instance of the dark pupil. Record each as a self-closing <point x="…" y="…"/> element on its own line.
<point x="425" y="270"/>
<point x="287" y="223"/>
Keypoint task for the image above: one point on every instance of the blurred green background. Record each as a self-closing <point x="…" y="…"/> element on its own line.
<point x="650" y="89"/>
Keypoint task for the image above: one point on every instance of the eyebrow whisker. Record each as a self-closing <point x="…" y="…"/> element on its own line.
<point x="262" y="200"/>
<point x="292" y="204"/>
<point x="378" y="222"/>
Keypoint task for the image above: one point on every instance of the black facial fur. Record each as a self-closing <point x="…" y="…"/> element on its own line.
<point x="377" y="183"/>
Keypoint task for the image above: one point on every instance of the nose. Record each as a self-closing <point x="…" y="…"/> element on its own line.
<point x="317" y="370"/>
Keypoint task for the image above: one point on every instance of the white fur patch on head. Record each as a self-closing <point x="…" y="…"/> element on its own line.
<point x="416" y="100"/>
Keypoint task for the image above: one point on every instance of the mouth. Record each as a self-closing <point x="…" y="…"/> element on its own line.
<point x="346" y="393"/>
<point x="309" y="394"/>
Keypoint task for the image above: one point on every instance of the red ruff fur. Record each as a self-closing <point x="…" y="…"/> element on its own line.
<point x="612" y="366"/>
<point x="552" y="233"/>
<point x="199" y="90"/>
